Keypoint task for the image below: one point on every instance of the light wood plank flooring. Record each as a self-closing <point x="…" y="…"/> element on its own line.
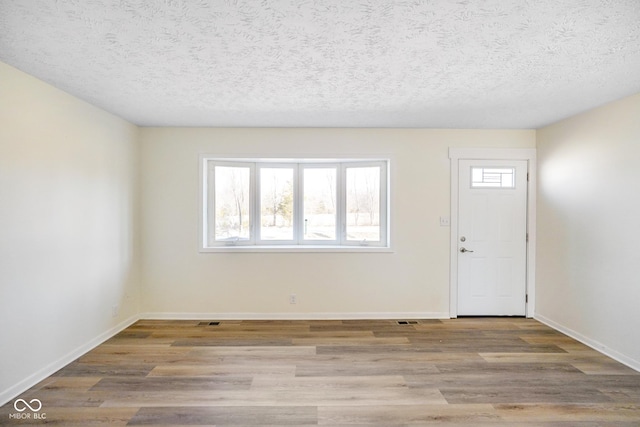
<point x="460" y="372"/>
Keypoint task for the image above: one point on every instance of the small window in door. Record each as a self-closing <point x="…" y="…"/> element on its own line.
<point x="482" y="177"/>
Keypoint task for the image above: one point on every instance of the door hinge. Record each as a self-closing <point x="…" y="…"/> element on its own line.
<point x="527" y="237"/>
<point x="526" y="298"/>
<point x="527" y="176"/>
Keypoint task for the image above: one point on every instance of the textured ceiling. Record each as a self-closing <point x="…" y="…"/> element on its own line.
<point x="330" y="63"/>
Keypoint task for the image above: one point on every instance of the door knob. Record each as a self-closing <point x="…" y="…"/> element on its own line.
<point x="463" y="250"/>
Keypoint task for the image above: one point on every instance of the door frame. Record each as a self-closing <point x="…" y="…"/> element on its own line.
<point x="528" y="154"/>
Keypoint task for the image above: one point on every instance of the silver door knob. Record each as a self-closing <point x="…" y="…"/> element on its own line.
<point x="463" y="250"/>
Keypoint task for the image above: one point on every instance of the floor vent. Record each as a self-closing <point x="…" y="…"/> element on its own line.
<point x="208" y="323"/>
<point x="407" y="322"/>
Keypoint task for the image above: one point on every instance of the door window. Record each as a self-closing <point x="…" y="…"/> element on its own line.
<point x="483" y="177"/>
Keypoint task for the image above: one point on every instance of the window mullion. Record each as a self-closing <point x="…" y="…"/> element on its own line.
<point x="297" y="205"/>
<point x="210" y="204"/>
<point x="339" y="204"/>
<point x="384" y="189"/>
<point x="342" y="203"/>
<point x="255" y="204"/>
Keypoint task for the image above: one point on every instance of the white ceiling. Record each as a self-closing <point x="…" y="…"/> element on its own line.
<point x="330" y="63"/>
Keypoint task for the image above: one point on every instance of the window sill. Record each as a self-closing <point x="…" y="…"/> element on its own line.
<point x="297" y="249"/>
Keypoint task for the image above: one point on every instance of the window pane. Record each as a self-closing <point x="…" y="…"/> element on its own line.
<point x="492" y="177"/>
<point x="320" y="203"/>
<point x="363" y="203"/>
<point x="276" y="204"/>
<point x="232" y="203"/>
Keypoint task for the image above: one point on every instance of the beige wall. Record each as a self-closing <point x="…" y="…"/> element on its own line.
<point x="68" y="191"/>
<point x="588" y="282"/>
<point x="411" y="281"/>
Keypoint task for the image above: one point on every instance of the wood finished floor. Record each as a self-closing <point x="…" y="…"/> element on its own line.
<point x="459" y="372"/>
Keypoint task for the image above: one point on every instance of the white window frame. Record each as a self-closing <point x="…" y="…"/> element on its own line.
<point x="383" y="202"/>
<point x="298" y="244"/>
<point x="337" y="231"/>
<point x="208" y="211"/>
<point x="258" y="210"/>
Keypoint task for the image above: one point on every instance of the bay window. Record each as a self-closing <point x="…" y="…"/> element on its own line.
<point x="314" y="203"/>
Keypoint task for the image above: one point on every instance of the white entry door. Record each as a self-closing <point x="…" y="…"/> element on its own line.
<point x="492" y="237"/>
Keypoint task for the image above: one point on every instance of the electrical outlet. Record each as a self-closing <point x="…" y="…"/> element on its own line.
<point x="115" y="309"/>
<point x="445" y="221"/>
<point x="293" y="299"/>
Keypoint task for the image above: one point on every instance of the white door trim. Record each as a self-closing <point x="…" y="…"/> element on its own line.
<point x="529" y="154"/>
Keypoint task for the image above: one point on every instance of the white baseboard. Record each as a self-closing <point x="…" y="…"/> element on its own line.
<point x="33" y="379"/>
<point x="293" y="316"/>
<point x="632" y="363"/>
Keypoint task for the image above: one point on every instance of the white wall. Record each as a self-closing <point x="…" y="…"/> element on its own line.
<point x="68" y="244"/>
<point x="588" y="258"/>
<point x="411" y="281"/>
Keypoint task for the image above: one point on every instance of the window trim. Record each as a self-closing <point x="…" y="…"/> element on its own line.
<point x="299" y="244"/>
